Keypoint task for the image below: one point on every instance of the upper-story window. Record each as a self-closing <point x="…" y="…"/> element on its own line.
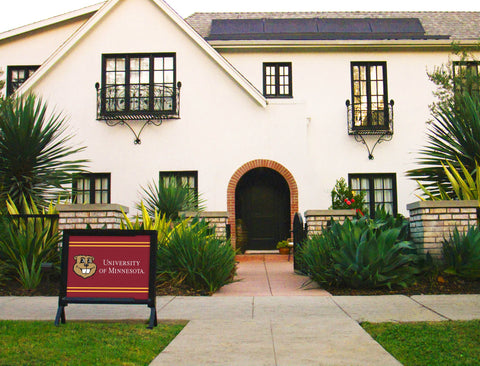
<point x="91" y="188"/>
<point x="138" y="84"/>
<point x="16" y="76"/>
<point x="277" y="79"/>
<point x="467" y="76"/>
<point x="369" y="96"/>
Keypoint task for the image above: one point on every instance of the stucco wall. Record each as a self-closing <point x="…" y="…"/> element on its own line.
<point x="222" y="127"/>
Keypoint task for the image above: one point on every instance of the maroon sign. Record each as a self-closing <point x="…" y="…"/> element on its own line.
<point x="108" y="266"/>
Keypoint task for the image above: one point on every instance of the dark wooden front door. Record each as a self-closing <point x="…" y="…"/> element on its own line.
<point x="263" y="204"/>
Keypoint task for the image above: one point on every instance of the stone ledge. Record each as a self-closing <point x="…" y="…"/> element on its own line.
<point x="91" y="207"/>
<point x="445" y="204"/>
<point x="310" y="213"/>
<point x="206" y="214"/>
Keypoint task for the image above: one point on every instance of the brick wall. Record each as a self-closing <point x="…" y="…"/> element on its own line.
<point x="318" y="219"/>
<point x="98" y="216"/>
<point x="432" y="221"/>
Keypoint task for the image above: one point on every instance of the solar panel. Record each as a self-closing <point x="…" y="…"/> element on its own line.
<point x="236" y="26"/>
<point x="343" y="25"/>
<point x="319" y="29"/>
<point x="291" y="26"/>
<point x="396" y="25"/>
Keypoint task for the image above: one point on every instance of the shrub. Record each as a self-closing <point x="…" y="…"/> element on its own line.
<point x="344" y="198"/>
<point x="27" y="243"/>
<point x="196" y="258"/>
<point x="361" y="253"/>
<point x="461" y="253"/>
<point x="188" y="253"/>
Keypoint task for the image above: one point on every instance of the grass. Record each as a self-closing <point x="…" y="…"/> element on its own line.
<point x="426" y="343"/>
<point x="83" y="343"/>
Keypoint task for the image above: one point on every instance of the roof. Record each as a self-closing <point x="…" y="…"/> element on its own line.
<point x="451" y="25"/>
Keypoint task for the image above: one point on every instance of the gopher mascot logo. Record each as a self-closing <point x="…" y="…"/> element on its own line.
<point x="84" y="266"/>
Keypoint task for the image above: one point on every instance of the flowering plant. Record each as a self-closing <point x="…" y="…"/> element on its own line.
<point x="344" y="198"/>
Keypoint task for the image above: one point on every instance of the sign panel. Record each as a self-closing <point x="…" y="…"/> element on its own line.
<point x="108" y="266"/>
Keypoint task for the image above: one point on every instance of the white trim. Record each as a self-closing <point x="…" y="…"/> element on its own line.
<point x="104" y="9"/>
<point x="50" y="21"/>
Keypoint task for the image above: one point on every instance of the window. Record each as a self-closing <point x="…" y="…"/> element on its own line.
<point x="138" y="84"/>
<point x="182" y="179"/>
<point x="369" y="96"/>
<point x="466" y="76"/>
<point x="380" y="190"/>
<point x="277" y="79"/>
<point x="91" y="188"/>
<point x="16" y="76"/>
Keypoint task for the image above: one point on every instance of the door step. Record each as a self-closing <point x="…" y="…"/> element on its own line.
<point x="269" y="256"/>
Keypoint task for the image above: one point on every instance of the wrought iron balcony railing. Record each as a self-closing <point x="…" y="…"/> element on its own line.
<point x="138" y="102"/>
<point x="372" y="122"/>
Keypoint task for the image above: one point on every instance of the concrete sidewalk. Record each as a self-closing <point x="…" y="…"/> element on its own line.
<point x="266" y="330"/>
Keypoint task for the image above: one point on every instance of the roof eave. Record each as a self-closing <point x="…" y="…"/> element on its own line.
<point x="51" y="21"/>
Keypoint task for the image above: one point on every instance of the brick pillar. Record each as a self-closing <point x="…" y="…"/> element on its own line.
<point x="318" y="219"/>
<point x="217" y="219"/>
<point x="432" y="221"/>
<point x="98" y="216"/>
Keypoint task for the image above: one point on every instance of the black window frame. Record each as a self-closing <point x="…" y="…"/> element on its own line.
<point x="12" y="85"/>
<point x="370" y="126"/>
<point x="278" y="84"/>
<point x="127" y="111"/>
<point x="91" y="177"/>
<point x="471" y="64"/>
<point x="371" y="189"/>
<point x="179" y="174"/>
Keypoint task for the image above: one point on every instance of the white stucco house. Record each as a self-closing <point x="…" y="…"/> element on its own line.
<point x="259" y="112"/>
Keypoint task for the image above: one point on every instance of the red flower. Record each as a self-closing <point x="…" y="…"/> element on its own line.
<point x="352" y="200"/>
<point x="348" y="202"/>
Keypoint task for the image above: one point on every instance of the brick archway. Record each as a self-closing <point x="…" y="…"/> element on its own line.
<point x="259" y="163"/>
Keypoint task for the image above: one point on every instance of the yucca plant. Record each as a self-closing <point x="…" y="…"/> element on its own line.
<point x="35" y="159"/>
<point x="452" y="139"/>
<point x="361" y="253"/>
<point x="461" y="253"/>
<point x="170" y="199"/>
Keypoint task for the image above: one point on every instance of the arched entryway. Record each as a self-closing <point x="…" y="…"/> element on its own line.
<point x="264" y="196"/>
<point x="262" y="205"/>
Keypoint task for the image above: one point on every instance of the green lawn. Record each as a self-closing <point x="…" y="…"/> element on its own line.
<point x="430" y="343"/>
<point x="83" y="343"/>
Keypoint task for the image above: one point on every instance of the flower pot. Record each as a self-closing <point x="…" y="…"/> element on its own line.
<point x="285" y="250"/>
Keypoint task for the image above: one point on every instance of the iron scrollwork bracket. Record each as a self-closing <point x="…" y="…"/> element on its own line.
<point x="136" y="141"/>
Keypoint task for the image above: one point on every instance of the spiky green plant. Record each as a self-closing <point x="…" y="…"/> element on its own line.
<point x="464" y="185"/>
<point x="453" y="133"/>
<point x="170" y="199"/>
<point x="35" y="158"/>
<point x="461" y="253"/>
<point x="361" y="253"/>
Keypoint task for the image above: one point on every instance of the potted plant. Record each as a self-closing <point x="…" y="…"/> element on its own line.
<point x="283" y="247"/>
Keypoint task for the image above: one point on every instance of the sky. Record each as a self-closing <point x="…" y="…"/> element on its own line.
<point x="15" y="13"/>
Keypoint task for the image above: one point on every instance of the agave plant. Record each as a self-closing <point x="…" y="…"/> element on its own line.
<point x="361" y="253"/>
<point x="461" y="253"/>
<point x="170" y="199"/>
<point x="452" y="139"/>
<point x="35" y="159"/>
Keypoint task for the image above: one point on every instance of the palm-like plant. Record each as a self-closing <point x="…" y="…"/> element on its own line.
<point x="454" y="133"/>
<point x="34" y="155"/>
<point x="169" y="199"/>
